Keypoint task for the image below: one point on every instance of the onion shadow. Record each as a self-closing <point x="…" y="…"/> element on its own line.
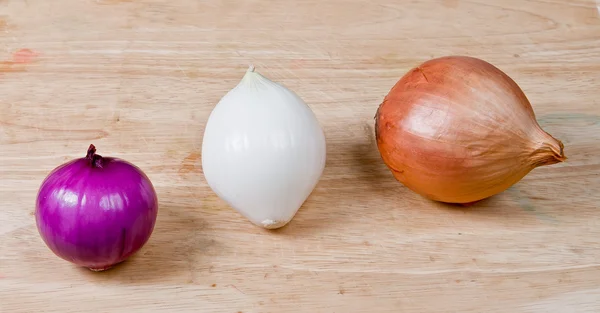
<point x="357" y="183"/>
<point x="506" y="209"/>
<point x="354" y="183"/>
<point x="170" y="254"/>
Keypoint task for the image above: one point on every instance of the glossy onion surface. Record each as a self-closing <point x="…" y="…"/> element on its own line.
<point x="96" y="211"/>
<point x="263" y="150"/>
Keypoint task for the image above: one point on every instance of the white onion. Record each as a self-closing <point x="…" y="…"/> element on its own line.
<point x="263" y="151"/>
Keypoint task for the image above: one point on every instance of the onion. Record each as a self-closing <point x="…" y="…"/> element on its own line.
<point x="457" y="129"/>
<point x="263" y="150"/>
<point x="96" y="211"/>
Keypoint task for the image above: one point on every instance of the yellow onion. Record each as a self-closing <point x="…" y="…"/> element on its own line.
<point x="457" y="129"/>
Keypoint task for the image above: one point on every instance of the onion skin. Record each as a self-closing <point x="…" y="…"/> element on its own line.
<point x="263" y="151"/>
<point x="96" y="211"/>
<point x="457" y="129"/>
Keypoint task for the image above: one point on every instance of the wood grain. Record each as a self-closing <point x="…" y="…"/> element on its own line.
<point x="138" y="79"/>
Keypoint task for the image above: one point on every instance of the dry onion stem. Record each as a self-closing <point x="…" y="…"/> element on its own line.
<point x="457" y="129"/>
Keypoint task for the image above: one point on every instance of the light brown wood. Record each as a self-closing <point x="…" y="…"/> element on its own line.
<point x="139" y="78"/>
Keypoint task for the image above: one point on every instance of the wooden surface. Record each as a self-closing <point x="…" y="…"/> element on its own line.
<point x="138" y="79"/>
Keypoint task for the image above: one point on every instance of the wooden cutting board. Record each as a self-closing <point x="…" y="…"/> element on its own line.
<point x="139" y="78"/>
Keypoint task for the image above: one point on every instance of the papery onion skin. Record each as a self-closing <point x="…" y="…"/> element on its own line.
<point x="457" y="129"/>
<point x="96" y="211"/>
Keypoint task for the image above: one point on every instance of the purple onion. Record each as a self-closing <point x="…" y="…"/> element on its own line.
<point x="96" y="211"/>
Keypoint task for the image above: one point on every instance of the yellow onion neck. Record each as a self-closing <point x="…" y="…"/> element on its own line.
<point x="547" y="151"/>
